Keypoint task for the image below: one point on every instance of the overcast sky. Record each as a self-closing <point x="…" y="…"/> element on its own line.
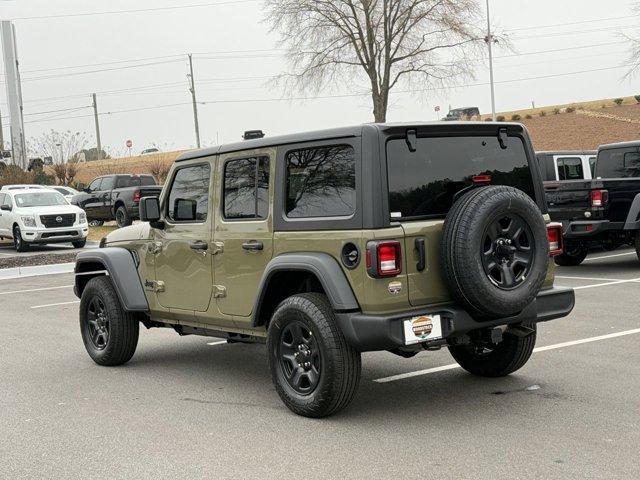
<point x="235" y="54"/>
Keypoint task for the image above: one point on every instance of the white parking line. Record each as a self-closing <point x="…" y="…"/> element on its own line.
<point x="452" y="366"/>
<point x="615" y="282"/>
<point x="56" y="304"/>
<point x="590" y="278"/>
<point x="609" y="256"/>
<point x="35" y="290"/>
<point x="223" y="342"/>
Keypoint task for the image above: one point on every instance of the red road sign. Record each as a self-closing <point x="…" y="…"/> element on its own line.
<point x="129" y="144"/>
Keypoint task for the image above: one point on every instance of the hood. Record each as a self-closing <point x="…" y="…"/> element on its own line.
<point x="140" y="231"/>
<point x="49" y="210"/>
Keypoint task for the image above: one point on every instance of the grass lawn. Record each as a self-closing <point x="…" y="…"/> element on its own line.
<point x="96" y="233"/>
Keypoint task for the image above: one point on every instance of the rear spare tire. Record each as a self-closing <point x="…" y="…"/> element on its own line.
<point x="494" y="251"/>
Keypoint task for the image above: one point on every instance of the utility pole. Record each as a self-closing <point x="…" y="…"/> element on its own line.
<point x="1" y="135"/>
<point x="95" y="116"/>
<point x="489" y="40"/>
<point x="192" y="89"/>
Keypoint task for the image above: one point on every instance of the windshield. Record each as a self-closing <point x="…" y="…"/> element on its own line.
<point x="40" y="199"/>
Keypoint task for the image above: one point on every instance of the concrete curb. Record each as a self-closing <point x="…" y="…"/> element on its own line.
<point x="36" y="271"/>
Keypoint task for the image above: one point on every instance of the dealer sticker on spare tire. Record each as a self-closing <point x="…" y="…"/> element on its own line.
<point x="422" y="329"/>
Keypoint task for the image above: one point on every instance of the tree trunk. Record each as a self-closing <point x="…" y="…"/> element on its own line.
<point x="380" y="107"/>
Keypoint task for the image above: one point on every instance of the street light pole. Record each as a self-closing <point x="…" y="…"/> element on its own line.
<point x="489" y="40"/>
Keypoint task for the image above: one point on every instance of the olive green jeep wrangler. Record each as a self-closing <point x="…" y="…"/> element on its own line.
<point x="327" y="244"/>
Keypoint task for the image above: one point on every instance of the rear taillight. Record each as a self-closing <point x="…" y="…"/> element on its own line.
<point x="599" y="198"/>
<point x="384" y="259"/>
<point x="554" y="235"/>
<point x="136" y="196"/>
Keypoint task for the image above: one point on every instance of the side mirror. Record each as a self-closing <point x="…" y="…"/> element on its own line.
<point x="149" y="209"/>
<point x="6" y="208"/>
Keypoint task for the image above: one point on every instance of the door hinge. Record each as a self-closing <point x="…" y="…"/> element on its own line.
<point x="155" y="247"/>
<point x="219" y="291"/>
<point x="217" y="247"/>
<point x="156" y="286"/>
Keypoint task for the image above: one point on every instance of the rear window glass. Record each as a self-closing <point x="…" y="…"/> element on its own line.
<point x="147" y="180"/>
<point x="424" y="183"/>
<point x="622" y="163"/>
<point x="570" y="168"/>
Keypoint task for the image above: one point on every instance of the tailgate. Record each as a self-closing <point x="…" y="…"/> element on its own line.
<point x="426" y="285"/>
<point x="568" y="200"/>
<point x="150" y="191"/>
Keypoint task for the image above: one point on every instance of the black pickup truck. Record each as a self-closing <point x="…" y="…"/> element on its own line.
<point x="603" y="212"/>
<point x="115" y="197"/>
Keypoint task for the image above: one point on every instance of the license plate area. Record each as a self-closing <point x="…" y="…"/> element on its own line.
<point x="424" y="328"/>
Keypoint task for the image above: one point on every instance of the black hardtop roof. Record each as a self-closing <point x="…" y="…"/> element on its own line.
<point x="567" y="152"/>
<point x="487" y="128"/>
<point x="613" y="146"/>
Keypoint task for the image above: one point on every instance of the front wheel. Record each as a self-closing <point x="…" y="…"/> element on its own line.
<point x="79" y="243"/>
<point x="109" y="333"/>
<point x="96" y="223"/>
<point x="495" y="360"/>
<point x="122" y="217"/>
<point x="315" y="371"/>
<point x="572" y="257"/>
<point x="18" y="243"/>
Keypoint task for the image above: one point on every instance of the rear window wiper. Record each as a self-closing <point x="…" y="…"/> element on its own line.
<point x="502" y="138"/>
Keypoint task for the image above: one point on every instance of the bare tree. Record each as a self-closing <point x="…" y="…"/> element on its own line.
<point x="65" y="172"/>
<point x="390" y="41"/>
<point x="60" y="146"/>
<point x="633" y="60"/>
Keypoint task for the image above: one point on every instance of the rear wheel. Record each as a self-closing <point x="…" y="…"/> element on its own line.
<point x="109" y="333"/>
<point x="19" y="244"/>
<point x="572" y="256"/>
<point x="488" y="360"/>
<point x="315" y="371"/>
<point x="122" y="217"/>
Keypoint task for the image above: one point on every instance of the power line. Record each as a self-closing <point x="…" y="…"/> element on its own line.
<point x="615" y="28"/>
<point x="137" y="10"/>
<point x="337" y="96"/>
<point x="564" y="24"/>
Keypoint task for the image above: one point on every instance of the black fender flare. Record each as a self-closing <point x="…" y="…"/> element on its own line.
<point x="119" y="264"/>
<point x="633" y="218"/>
<point x="326" y="269"/>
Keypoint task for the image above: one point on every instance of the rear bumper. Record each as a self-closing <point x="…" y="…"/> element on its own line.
<point x="386" y="332"/>
<point x="589" y="228"/>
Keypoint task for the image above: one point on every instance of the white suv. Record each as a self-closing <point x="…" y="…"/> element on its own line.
<point x="31" y="215"/>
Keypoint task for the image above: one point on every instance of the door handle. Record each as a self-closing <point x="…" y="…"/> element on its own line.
<point x="422" y="261"/>
<point x="199" y="246"/>
<point x="253" y="246"/>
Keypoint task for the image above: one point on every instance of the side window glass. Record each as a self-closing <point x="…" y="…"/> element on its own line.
<point x="108" y="183"/>
<point x="189" y="194"/>
<point x="122" y="182"/>
<point x="320" y="182"/>
<point x="246" y="188"/>
<point x="95" y="185"/>
<point x="570" y="169"/>
<point x="632" y="164"/>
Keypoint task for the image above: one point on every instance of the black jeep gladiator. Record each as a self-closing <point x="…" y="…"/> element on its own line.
<point x="603" y="212"/>
<point x="115" y="197"/>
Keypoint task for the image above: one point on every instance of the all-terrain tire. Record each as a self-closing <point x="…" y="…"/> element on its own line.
<point x="122" y="327"/>
<point x="79" y="243"/>
<point x="505" y="358"/>
<point x="123" y="219"/>
<point x="463" y="245"/>
<point x="572" y="257"/>
<point x="18" y="242"/>
<point x="339" y="363"/>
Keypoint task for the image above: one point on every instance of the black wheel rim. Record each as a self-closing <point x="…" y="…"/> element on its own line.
<point x="98" y="323"/>
<point x="508" y="251"/>
<point x="299" y="358"/>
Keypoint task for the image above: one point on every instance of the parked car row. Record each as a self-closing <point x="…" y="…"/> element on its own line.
<point x="41" y="214"/>
<point x="596" y="198"/>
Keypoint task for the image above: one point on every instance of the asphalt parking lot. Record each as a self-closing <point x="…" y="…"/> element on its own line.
<point x="8" y="251"/>
<point x="195" y="407"/>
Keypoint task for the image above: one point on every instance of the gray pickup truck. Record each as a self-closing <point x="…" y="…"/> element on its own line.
<point x="116" y="197"/>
